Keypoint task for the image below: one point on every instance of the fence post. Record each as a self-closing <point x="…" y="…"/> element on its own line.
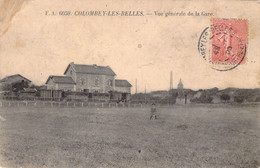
<point x="82" y="104"/>
<point x="67" y="104"/>
<point x="51" y="104"/>
<point x="35" y="104"/>
<point x="102" y="105"/>
<point x="59" y="104"/>
<point x="9" y="104"/>
<point x="74" y="104"/>
<point x="109" y="105"/>
<point x="26" y="103"/>
<point x="18" y="104"/>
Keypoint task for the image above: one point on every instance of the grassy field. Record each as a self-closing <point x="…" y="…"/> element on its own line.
<point x="208" y="136"/>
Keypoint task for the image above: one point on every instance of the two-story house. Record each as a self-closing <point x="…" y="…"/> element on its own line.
<point x="91" y="78"/>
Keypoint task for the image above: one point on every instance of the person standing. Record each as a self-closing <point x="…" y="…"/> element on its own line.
<point x="153" y="112"/>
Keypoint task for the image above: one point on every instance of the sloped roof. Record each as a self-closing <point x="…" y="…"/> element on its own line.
<point x="122" y="83"/>
<point x="13" y="76"/>
<point x="61" y="79"/>
<point x="91" y="69"/>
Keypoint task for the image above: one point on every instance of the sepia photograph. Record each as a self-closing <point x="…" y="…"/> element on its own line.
<point x="129" y="84"/>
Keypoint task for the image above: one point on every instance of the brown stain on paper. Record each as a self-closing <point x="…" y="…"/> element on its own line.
<point x="19" y="43"/>
<point x="8" y="9"/>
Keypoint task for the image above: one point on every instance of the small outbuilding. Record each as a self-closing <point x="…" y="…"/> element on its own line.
<point x="65" y="83"/>
<point x="12" y="79"/>
<point x="122" y="90"/>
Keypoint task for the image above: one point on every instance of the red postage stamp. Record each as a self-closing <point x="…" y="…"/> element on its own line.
<point x="223" y="44"/>
<point x="228" y="41"/>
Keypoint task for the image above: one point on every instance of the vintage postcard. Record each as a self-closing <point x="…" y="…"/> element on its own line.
<point x="129" y="84"/>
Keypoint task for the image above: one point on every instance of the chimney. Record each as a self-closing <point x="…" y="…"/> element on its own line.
<point x="72" y="63"/>
<point x="95" y="65"/>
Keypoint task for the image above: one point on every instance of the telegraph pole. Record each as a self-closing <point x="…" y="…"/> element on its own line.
<point x="145" y="93"/>
<point x="171" y="87"/>
<point x="135" y="86"/>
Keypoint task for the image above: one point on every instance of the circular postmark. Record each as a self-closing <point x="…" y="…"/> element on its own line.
<point x="223" y="44"/>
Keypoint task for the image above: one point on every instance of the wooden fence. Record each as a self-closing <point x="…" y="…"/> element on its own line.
<point x="72" y="104"/>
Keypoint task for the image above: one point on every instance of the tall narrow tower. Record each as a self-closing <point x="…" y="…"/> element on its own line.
<point x="171" y="84"/>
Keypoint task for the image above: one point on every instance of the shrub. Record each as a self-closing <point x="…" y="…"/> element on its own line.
<point x="225" y="97"/>
<point x="239" y="99"/>
<point x="204" y="98"/>
<point x="257" y="99"/>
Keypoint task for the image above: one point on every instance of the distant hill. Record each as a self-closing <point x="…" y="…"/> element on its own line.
<point x="213" y="95"/>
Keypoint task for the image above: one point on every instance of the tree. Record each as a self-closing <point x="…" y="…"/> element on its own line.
<point x="20" y="85"/>
<point x="225" y="97"/>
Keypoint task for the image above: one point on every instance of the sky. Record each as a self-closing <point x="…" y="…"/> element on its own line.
<point x="146" y="48"/>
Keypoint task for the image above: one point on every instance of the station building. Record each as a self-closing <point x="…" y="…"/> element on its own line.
<point x="90" y="79"/>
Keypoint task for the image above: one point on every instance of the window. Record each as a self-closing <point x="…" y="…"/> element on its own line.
<point x="109" y="82"/>
<point x="96" y="81"/>
<point x="82" y="81"/>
